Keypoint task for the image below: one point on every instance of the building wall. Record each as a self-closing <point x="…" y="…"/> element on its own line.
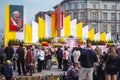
<point x="97" y="13"/>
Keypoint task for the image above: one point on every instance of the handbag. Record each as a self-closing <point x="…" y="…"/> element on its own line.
<point x="104" y="63"/>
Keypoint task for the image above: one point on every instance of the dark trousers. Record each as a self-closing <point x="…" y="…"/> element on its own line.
<point x="1" y="62"/>
<point x="40" y="65"/>
<point x="65" y="66"/>
<point x="8" y="77"/>
<point x="19" y="64"/>
<point x="44" y="64"/>
<point x="59" y="63"/>
<point x="14" y="64"/>
<point x="118" y="76"/>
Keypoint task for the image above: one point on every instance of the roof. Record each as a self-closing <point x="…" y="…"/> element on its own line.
<point x="64" y="1"/>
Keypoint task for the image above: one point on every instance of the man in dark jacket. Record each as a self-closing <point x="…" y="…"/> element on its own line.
<point x="20" y="59"/>
<point x="9" y="52"/>
<point x="1" y="54"/>
<point x="87" y="59"/>
<point x="59" y="53"/>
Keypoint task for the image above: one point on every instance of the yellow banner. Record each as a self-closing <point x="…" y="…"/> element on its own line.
<point x="91" y="34"/>
<point x="103" y="36"/>
<point x="28" y="33"/>
<point x="41" y="28"/>
<point x="67" y="26"/>
<point x="9" y="35"/>
<point x="79" y="30"/>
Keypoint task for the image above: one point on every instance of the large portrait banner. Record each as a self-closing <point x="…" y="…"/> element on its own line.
<point x="16" y="18"/>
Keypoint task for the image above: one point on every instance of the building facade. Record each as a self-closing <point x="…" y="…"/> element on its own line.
<point x="102" y="15"/>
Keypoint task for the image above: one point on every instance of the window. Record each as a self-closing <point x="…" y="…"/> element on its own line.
<point x="75" y="5"/>
<point x="82" y="15"/>
<point x="69" y="5"/>
<point x="79" y="16"/>
<point x="113" y="29"/>
<point x="94" y="15"/>
<point x="119" y="16"/>
<point x="113" y="16"/>
<point x="105" y="6"/>
<point x="104" y="28"/>
<point x="64" y="7"/>
<point x="113" y="7"/>
<point x="119" y="29"/>
<point x="105" y="16"/>
<point x="95" y="28"/>
<point x="75" y="15"/>
<point x="83" y="6"/>
<point x="94" y="5"/>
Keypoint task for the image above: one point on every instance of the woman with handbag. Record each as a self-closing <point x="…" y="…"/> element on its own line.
<point x="29" y="60"/>
<point x="112" y="60"/>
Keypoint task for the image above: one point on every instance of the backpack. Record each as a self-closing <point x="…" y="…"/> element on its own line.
<point x="64" y="56"/>
<point x="75" y="73"/>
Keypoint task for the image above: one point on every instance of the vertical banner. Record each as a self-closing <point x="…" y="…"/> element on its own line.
<point x="103" y="36"/>
<point x="8" y="35"/>
<point x="67" y="26"/>
<point x="108" y="36"/>
<point x="61" y="19"/>
<point x="56" y="20"/>
<point x="73" y="27"/>
<point x="48" y="27"/>
<point x="16" y="18"/>
<point x="20" y="36"/>
<point x="62" y="23"/>
<point x="85" y="32"/>
<point x="28" y="33"/>
<point x="91" y="34"/>
<point x="34" y="32"/>
<point x="54" y="32"/>
<point x="79" y="30"/>
<point x="97" y="36"/>
<point x="41" y="28"/>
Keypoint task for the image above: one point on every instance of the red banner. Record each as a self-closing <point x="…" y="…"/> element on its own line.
<point x="62" y="20"/>
<point x="56" y="20"/>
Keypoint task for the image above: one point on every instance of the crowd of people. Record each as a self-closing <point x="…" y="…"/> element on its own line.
<point x="77" y="63"/>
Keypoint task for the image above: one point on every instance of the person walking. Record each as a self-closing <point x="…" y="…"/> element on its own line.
<point x="65" y="59"/>
<point x="87" y="59"/>
<point x="1" y="56"/>
<point x="40" y="58"/>
<point x="29" y="59"/>
<point x="20" y="59"/>
<point x="59" y="53"/>
<point x="9" y="51"/>
<point x="76" y="55"/>
<point x="112" y="65"/>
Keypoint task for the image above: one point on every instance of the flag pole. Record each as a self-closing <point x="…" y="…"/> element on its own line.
<point x="58" y="27"/>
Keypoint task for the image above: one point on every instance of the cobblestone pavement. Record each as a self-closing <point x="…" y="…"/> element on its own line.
<point x="54" y="70"/>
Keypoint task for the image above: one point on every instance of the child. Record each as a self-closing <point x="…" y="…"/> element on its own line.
<point x="8" y="70"/>
<point x="72" y="72"/>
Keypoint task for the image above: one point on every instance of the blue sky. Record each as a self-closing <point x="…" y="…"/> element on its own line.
<point x="31" y="6"/>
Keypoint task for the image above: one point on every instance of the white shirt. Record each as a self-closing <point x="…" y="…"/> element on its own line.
<point x="76" y="55"/>
<point x="40" y="54"/>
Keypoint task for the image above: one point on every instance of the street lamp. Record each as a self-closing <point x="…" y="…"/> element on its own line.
<point x="116" y="38"/>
